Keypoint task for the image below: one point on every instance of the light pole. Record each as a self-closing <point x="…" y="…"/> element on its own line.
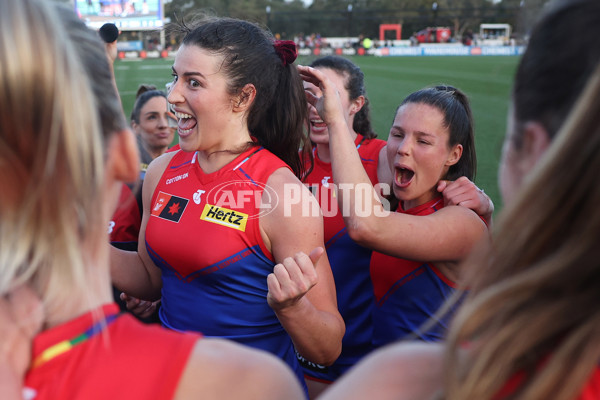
<point x="349" y="20"/>
<point x="268" y="10"/>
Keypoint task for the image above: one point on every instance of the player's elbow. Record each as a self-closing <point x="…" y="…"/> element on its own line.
<point x="326" y="356"/>
<point x="361" y="232"/>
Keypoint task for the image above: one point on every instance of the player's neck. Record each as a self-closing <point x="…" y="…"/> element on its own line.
<point x="218" y="158"/>
<point x="323" y="152"/>
<point x="82" y="299"/>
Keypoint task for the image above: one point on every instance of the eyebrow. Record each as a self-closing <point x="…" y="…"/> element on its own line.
<point x="190" y="73"/>
<point x="418" y="133"/>
<point x="424" y="134"/>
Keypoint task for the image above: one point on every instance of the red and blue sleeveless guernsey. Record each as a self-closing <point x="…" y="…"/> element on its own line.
<point x="203" y="233"/>
<point x="349" y="264"/>
<point x="118" y="358"/>
<point x="408" y="293"/>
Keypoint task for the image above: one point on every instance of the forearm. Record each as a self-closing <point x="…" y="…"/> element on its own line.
<point x="358" y="200"/>
<point x="317" y="335"/>
<point x="130" y="275"/>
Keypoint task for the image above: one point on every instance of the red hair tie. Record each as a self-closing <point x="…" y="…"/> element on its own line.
<point x="286" y="49"/>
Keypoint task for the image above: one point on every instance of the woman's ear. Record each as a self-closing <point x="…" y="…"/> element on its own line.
<point x="245" y="98"/>
<point x="123" y="157"/>
<point x="357" y="104"/>
<point x="454" y="155"/>
<point x="535" y="143"/>
<point x="134" y="127"/>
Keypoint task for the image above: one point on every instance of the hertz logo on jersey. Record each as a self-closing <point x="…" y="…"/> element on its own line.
<point x="224" y="216"/>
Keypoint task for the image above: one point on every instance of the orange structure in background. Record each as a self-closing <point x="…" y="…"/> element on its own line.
<point x="390" y="27"/>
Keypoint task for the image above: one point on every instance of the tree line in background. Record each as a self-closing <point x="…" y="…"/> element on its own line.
<point x="335" y="18"/>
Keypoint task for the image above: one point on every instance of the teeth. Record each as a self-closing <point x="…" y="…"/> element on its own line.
<point x="185" y="132"/>
<point x="317" y="121"/>
<point x="182" y="115"/>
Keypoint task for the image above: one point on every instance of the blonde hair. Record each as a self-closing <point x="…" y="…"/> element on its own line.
<point x="533" y="307"/>
<point x="51" y="153"/>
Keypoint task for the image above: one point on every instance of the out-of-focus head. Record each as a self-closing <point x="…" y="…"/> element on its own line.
<point x="150" y="120"/>
<point x="55" y="124"/>
<point x="541" y="274"/>
<point x="539" y="277"/>
<point x="141" y="100"/>
<point x="561" y="54"/>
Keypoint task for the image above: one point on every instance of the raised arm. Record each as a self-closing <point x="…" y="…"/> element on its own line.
<point x="303" y="298"/>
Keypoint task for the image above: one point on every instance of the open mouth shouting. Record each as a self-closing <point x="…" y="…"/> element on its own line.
<point x="185" y="123"/>
<point x="403" y="176"/>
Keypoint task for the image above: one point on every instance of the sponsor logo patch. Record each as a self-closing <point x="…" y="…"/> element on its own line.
<point x="169" y="207"/>
<point x="224" y="216"/>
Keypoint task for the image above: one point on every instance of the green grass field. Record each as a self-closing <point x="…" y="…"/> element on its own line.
<point x="486" y="80"/>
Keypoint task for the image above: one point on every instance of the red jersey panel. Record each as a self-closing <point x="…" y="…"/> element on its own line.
<point x="198" y="220"/>
<point x="125" y="360"/>
<point x="407" y="293"/>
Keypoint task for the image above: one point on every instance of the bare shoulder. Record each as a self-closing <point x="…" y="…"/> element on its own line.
<point x="295" y="213"/>
<point x="283" y="176"/>
<point x="159" y="164"/>
<point x="464" y="222"/>
<point x="293" y="199"/>
<point x="155" y="171"/>
<point x="402" y="371"/>
<point x="456" y="222"/>
<point x="221" y="369"/>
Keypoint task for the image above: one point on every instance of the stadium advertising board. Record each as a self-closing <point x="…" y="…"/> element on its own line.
<point x="452" y="51"/>
<point x="127" y="15"/>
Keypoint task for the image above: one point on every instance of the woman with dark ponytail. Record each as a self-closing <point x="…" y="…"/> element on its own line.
<point x="223" y="217"/>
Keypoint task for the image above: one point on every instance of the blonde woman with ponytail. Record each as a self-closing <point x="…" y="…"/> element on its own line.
<point x="65" y="151"/>
<point x="529" y="327"/>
